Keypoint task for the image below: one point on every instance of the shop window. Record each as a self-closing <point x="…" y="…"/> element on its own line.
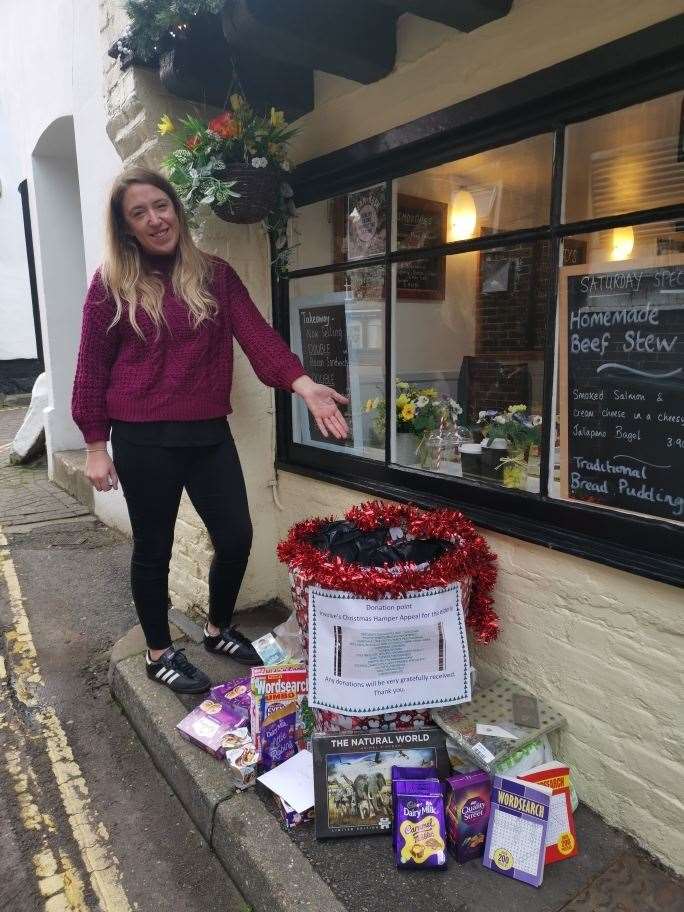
<point x="598" y="449"/>
<point x="467" y="358"/>
<point x="625" y="161"/>
<point x="342" y="229"/>
<point x="500" y="190"/>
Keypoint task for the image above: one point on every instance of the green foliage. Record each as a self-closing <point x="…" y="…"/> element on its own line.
<point x="515" y="425"/>
<point x="154" y="22"/>
<point x="202" y="151"/>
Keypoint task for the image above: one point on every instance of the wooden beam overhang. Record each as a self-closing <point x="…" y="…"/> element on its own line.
<point x="354" y="40"/>
<point x="274" y="46"/>
<point x="464" y="15"/>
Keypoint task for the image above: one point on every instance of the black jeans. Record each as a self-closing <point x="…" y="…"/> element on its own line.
<point x="153" y="479"/>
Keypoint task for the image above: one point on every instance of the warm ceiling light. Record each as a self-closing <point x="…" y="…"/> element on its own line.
<point x="463" y="217"/>
<point x="622" y="243"/>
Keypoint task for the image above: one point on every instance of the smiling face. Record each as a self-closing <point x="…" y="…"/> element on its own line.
<point x="151" y="218"/>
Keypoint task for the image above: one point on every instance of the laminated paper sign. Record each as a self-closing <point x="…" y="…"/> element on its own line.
<point x="375" y="656"/>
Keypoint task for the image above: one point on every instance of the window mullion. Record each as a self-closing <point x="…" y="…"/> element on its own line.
<point x="389" y="380"/>
<point x="548" y="418"/>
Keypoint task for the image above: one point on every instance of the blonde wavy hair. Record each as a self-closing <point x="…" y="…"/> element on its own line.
<point x="124" y="271"/>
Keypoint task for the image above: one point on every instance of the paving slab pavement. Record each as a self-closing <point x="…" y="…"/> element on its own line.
<point x="279" y="870"/>
<point x="27" y="497"/>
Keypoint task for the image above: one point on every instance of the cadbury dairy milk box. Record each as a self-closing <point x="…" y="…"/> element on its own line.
<point x="419" y="825"/>
<point x="467" y="814"/>
<point x="278" y="737"/>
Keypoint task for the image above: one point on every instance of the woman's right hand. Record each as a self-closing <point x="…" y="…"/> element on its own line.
<point x="100" y="470"/>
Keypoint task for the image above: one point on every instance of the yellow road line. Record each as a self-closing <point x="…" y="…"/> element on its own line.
<point x="92" y="839"/>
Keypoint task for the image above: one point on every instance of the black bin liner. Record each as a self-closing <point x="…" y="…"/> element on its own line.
<point x="375" y="548"/>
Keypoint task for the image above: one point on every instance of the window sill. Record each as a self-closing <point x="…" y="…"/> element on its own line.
<point x="559" y="525"/>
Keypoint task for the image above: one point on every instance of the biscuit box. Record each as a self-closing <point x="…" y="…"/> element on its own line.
<point x="419" y="826"/>
<point x="273" y="688"/>
<point x="289" y="816"/>
<point x="241" y="758"/>
<point x="467" y="814"/>
<point x="208" y="725"/>
<point x="233" y="694"/>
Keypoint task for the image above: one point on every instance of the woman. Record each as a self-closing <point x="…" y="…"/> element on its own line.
<point x="154" y="367"/>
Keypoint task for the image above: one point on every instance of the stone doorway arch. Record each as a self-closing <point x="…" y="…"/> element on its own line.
<point x="61" y="273"/>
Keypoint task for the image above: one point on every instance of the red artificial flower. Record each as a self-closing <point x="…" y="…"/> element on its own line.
<point x="224" y="125"/>
<point x="192" y="141"/>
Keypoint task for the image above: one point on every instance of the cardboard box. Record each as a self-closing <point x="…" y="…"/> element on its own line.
<point x="467" y="814"/>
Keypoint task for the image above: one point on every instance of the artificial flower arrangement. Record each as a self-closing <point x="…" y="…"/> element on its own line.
<point x="236" y="164"/>
<point x="516" y="426"/>
<point x="418" y="410"/>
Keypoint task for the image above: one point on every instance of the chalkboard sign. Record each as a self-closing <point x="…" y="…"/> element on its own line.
<point x="421" y="223"/>
<point x="325" y="355"/>
<point x="622" y="386"/>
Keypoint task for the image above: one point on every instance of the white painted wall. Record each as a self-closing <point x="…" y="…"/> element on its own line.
<point x="52" y="67"/>
<point x="17" y="334"/>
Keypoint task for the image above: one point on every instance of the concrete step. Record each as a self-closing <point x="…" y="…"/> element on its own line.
<point x="290" y="871"/>
<point x="69" y="474"/>
<point x="260" y="858"/>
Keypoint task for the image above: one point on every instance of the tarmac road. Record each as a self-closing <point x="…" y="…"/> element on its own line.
<point x="86" y="821"/>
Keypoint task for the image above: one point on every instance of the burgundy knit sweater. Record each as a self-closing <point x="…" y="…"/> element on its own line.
<point x="182" y="374"/>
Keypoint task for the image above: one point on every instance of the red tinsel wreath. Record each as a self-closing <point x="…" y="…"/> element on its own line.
<point x="470" y="556"/>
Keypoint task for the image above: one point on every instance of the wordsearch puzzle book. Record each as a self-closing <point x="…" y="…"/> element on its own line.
<point x="516" y="835"/>
<point x="561" y="840"/>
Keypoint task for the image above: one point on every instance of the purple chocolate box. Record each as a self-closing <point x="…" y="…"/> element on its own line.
<point x="278" y="737"/>
<point x="233" y="694"/>
<point x="208" y="725"/>
<point x="467" y="814"/>
<point x="419" y="826"/>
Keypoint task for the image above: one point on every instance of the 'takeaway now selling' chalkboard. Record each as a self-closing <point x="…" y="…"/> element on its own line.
<point x="622" y="402"/>
<point x="325" y="355"/>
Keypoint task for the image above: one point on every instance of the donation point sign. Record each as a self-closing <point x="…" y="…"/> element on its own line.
<point x="371" y="656"/>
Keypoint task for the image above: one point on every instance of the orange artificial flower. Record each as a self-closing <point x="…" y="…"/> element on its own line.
<point x="192" y="141"/>
<point x="224" y="125"/>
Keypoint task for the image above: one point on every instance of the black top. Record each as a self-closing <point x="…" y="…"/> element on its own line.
<point x="207" y="432"/>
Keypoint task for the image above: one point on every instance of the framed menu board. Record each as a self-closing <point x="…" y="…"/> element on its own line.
<point x="622" y="386"/>
<point x="421" y="223"/>
<point x="320" y="332"/>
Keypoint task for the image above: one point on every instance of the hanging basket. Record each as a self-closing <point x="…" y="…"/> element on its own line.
<point x="258" y="189"/>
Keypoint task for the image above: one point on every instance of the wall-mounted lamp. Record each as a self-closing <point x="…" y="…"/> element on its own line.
<point x="462" y="216"/>
<point x="621" y="243"/>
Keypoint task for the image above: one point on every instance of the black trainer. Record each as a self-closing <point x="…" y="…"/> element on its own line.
<point x="174" y="670"/>
<point x="230" y="642"/>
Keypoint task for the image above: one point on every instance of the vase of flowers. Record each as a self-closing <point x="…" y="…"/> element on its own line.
<point x="418" y="411"/>
<point x="236" y="164"/>
<point x="519" y="431"/>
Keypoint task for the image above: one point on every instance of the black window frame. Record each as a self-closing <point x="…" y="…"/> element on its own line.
<point x="643" y="66"/>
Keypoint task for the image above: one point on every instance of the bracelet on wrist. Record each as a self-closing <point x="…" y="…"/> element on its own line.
<point x="96" y="450"/>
